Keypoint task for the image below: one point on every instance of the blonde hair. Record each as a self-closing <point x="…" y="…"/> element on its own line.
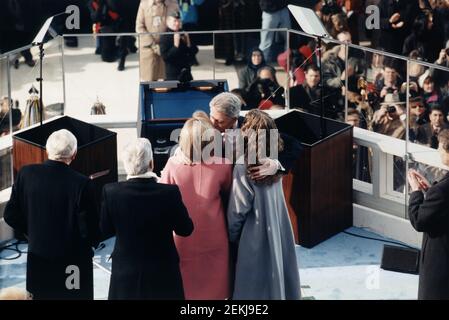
<point x="193" y="132"/>
<point x="13" y="293"/>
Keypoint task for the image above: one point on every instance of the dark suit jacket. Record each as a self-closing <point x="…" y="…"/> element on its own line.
<point x="424" y="135"/>
<point x="52" y="204"/>
<point x="430" y="215"/>
<point x="143" y="214"/>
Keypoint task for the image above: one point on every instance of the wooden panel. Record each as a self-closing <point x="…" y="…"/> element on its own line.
<point x="318" y="190"/>
<point x="25" y="153"/>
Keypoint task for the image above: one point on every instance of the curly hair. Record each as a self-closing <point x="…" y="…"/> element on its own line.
<point x="256" y="122"/>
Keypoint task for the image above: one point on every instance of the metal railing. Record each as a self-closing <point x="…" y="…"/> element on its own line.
<point x="68" y="74"/>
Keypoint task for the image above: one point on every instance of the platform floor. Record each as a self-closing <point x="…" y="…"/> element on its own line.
<point x="342" y="268"/>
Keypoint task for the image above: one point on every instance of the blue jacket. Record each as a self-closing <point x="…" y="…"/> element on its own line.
<point x="189" y="12"/>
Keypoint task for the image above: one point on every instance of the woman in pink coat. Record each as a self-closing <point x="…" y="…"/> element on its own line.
<point x="204" y="256"/>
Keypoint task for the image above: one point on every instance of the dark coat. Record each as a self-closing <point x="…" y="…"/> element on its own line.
<point x="176" y="59"/>
<point x="392" y="39"/>
<point x="430" y="215"/>
<point x="51" y="204"/>
<point x="302" y="96"/>
<point x="425" y="135"/>
<point x="143" y="214"/>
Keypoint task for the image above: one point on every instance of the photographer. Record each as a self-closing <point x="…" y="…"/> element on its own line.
<point x="387" y="119"/>
<point x="390" y="81"/>
<point x="177" y="50"/>
<point x="265" y="91"/>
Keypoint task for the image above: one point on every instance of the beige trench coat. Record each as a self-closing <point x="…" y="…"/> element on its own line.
<point x="151" y="18"/>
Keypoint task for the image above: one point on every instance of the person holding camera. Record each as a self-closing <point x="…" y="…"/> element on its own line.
<point x="177" y="50"/>
<point x="390" y="82"/>
<point x="387" y="119"/>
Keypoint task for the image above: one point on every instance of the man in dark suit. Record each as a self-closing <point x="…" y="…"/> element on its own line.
<point x="143" y="214"/>
<point x="427" y="133"/>
<point x="307" y="95"/>
<point x="225" y="115"/>
<point x="51" y="204"/>
<point x="429" y="213"/>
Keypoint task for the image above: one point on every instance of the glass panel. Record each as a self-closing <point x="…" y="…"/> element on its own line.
<point x="301" y="62"/>
<point x="93" y="82"/>
<point x="260" y="83"/>
<point x="427" y="116"/>
<point x="25" y="85"/>
<point x="5" y="153"/>
<point x="160" y="62"/>
<point x="4" y="99"/>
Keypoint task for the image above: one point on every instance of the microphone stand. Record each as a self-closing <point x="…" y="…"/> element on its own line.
<point x="40" y="79"/>
<point x="322" y="122"/>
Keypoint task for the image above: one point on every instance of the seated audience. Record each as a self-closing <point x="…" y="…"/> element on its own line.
<point x="248" y="74"/>
<point x="265" y="90"/>
<point x="427" y="133"/>
<point x="307" y="95"/>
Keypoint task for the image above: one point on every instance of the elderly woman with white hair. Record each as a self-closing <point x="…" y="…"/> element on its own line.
<point x="143" y="214"/>
<point x="51" y="204"/>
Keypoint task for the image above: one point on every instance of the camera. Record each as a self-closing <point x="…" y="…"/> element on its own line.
<point x="391" y="109"/>
<point x="330" y="7"/>
<point x="390" y="90"/>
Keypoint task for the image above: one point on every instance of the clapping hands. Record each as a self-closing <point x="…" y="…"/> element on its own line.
<point x="417" y="181"/>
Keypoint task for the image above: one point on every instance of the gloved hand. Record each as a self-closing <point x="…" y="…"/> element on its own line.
<point x="267" y="167"/>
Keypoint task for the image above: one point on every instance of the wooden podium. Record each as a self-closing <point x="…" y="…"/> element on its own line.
<point x="318" y="190"/>
<point x="96" y="156"/>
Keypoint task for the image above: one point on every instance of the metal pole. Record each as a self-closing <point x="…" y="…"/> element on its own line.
<point x="322" y="122"/>
<point x="61" y="44"/>
<point x="287" y="86"/>
<point x="407" y="128"/>
<point x="346" y="80"/>
<point x="8" y="74"/>
<point x="41" y="56"/>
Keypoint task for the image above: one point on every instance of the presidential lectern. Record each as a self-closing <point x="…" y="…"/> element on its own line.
<point x="96" y="156"/>
<point x="318" y="189"/>
<point x="166" y="105"/>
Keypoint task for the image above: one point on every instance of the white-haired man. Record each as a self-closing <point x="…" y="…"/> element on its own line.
<point x="143" y="214"/>
<point x="51" y="204"/>
<point x="225" y="115"/>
